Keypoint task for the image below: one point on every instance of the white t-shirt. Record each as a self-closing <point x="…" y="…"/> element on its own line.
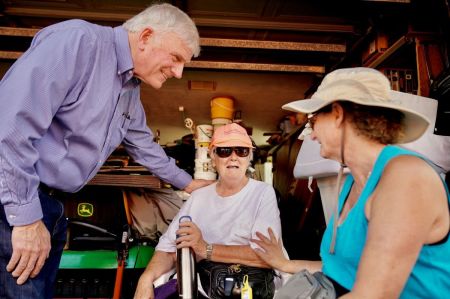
<point x="230" y="220"/>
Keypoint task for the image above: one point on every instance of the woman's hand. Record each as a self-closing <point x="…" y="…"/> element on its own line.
<point x="191" y="236"/>
<point x="272" y="252"/>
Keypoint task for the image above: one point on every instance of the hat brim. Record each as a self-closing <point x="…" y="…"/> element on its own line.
<point x="232" y="142"/>
<point x="414" y="123"/>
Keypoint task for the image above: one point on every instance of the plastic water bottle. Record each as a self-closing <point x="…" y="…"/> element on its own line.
<point x="186" y="273"/>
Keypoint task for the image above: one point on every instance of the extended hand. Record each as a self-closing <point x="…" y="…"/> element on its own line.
<point x="195" y="184"/>
<point x="272" y="252"/>
<point x="31" y="246"/>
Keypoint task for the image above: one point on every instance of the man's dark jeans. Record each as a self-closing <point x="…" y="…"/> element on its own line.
<point x="42" y="285"/>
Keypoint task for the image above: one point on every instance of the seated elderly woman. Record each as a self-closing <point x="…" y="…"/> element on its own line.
<point x="225" y="215"/>
<point x="390" y="238"/>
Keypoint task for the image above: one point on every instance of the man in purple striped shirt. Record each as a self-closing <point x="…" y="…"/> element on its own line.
<point x="65" y="105"/>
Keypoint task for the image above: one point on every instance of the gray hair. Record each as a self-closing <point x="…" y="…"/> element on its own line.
<point x="164" y="18"/>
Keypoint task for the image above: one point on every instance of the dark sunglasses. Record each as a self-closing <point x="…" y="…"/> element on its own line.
<point x="312" y="117"/>
<point x="225" y="152"/>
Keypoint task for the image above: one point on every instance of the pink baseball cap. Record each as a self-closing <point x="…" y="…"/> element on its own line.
<point x="231" y="135"/>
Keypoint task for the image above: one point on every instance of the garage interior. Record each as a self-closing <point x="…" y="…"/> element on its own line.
<point x="262" y="53"/>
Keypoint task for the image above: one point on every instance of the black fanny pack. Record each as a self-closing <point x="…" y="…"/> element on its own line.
<point x="221" y="280"/>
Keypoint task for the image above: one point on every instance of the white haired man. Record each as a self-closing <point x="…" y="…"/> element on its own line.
<point x="65" y="105"/>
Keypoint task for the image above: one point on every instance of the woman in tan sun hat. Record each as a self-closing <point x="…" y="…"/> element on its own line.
<point x="390" y="239"/>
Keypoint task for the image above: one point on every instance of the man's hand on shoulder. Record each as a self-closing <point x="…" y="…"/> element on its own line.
<point x="195" y="184"/>
<point x="31" y="247"/>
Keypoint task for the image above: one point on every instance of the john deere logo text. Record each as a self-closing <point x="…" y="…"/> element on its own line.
<point x="85" y="209"/>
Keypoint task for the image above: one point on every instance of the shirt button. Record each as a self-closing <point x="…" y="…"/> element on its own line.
<point x="130" y="72"/>
<point x="12" y="216"/>
<point x="118" y="73"/>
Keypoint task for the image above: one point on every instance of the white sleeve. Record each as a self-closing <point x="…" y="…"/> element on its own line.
<point x="267" y="216"/>
<point x="167" y="242"/>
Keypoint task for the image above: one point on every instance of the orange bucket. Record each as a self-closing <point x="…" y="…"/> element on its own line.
<point x="222" y="107"/>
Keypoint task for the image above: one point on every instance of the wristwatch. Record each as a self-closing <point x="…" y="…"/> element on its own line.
<point x="209" y="249"/>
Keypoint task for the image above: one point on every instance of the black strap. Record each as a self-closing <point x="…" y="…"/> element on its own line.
<point x="340" y="290"/>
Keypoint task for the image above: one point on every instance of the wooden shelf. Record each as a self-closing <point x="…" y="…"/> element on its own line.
<point x="127" y="180"/>
<point x="426" y="61"/>
<point x="390" y="51"/>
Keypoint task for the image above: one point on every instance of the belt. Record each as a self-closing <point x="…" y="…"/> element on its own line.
<point x="51" y="191"/>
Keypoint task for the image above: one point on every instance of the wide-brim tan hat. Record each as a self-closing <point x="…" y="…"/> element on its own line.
<point x="364" y="86"/>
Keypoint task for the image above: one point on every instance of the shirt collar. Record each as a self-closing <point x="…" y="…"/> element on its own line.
<point x="123" y="53"/>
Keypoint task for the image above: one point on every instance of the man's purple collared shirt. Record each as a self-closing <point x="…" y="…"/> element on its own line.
<point x="65" y="105"/>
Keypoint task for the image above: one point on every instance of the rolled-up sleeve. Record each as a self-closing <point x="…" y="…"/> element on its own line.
<point x="167" y="242"/>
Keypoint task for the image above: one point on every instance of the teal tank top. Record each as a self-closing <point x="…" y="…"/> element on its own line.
<point x="430" y="277"/>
